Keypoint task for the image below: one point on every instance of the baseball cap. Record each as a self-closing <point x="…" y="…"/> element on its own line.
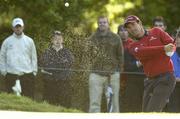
<point x="131" y="19"/>
<point x="17" y="21"/>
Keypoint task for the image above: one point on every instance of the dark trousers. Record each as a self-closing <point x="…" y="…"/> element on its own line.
<point x="131" y="98"/>
<point x="157" y="91"/>
<point x="57" y="91"/>
<point x="174" y="101"/>
<point x="27" y="82"/>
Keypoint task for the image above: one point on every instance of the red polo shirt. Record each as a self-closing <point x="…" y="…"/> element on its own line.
<point x="150" y="51"/>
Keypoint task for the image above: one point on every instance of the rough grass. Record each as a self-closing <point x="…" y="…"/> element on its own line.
<point x="13" y="102"/>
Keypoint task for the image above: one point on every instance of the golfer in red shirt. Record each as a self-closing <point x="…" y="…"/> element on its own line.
<point x="153" y="49"/>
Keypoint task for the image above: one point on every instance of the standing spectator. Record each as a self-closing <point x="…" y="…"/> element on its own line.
<point x="18" y="60"/>
<point x="159" y="21"/>
<point x="130" y="62"/>
<point x="2" y="86"/>
<point x="56" y="62"/>
<point x="132" y="76"/>
<point x="153" y="48"/>
<point x="174" y="101"/>
<point x="107" y="60"/>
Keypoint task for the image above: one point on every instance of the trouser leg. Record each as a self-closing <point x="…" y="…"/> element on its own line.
<point x="147" y="93"/>
<point x="50" y="92"/>
<point x="95" y="92"/>
<point x="10" y="81"/>
<point x="115" y="83"/>
<point x="174" y="101"/>
<point x="28" y="85"/>
<point x="162" y="89"/>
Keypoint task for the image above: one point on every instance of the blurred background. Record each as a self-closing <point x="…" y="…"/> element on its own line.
<point x="79" y="18"/>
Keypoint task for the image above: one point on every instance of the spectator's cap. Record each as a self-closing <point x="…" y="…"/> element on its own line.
<point x="131" y="19"/>
<point x="17" y="21"/>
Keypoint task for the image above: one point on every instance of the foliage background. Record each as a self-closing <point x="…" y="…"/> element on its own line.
<point x="42" y="17"/>
<point x="77" y="22"/>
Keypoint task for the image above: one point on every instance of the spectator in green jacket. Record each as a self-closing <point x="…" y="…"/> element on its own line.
<point x="107" y="61"/>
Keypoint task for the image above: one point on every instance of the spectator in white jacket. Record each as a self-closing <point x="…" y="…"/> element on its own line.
<point x="18" y="60"/>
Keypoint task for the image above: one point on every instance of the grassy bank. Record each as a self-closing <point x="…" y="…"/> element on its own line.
<point x="13" y="102"/>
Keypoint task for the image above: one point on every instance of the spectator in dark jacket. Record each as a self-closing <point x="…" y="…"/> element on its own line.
<point x="132" y="77"/>
<point x="56" y="62"/>
<point x="130" y="62"/>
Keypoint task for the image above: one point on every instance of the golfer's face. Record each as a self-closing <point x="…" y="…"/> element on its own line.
<point x="135" y="29"/>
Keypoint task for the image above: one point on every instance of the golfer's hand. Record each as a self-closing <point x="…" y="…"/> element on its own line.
<point x="138" y="64"/>
<point x="169" y="47"/>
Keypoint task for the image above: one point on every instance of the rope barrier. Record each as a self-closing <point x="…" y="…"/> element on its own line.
<point x="87" y="70"/>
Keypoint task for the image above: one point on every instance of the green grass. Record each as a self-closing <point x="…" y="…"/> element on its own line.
<point x="13" y="102"/>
